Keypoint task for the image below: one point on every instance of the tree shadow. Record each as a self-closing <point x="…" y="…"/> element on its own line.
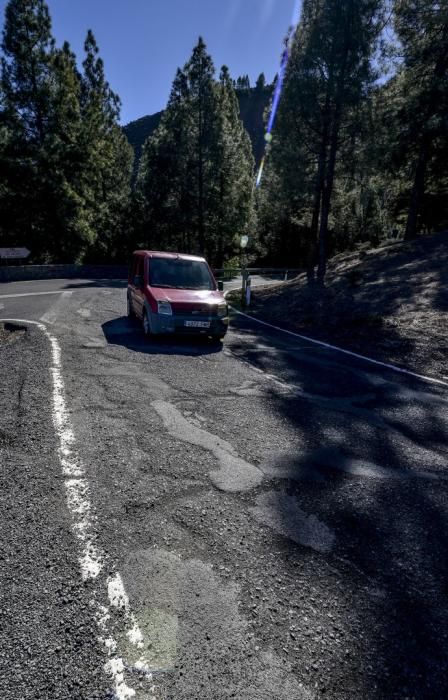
<point x="93" y="284"/>
<point x="127" y="333"/>
<point x="371" y="469"/>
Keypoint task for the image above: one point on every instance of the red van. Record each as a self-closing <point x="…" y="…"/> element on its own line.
<point x="175" y="293"/>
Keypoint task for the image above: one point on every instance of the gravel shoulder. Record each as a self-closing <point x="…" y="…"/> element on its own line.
<point x="389" y="303"/>
<point x="48" y="645"/>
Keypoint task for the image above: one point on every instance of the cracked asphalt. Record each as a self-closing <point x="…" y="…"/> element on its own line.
<point x="277" y="512"/>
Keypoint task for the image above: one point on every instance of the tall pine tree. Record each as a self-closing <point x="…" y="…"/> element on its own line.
<point x="327" y="77"/>
<point x="421" y="94"/>
<point x="66" y="164"/>
<point x="195" y="179"/>
<point x="109" y="158"/>
<point x="26" y="87"/>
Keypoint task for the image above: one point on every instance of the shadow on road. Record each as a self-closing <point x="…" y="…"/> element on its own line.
<point x="92" y="284"/>
<point x="128" y="333"/>
<point x="370" y="466"/>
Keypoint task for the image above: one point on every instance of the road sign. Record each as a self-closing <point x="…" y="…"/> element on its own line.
<point x="14" y="253"/>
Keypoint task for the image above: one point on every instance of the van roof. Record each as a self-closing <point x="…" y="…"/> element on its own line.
<point x="172" y="256"/>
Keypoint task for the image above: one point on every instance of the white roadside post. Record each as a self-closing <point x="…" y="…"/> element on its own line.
<point x="248" y="290"/>
<point x="243" y="245"/>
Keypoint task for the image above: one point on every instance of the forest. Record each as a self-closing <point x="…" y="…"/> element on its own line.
<point x="359" y="150"/>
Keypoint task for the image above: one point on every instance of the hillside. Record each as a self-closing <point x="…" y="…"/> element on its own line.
<point x="138" y="131"/>
<point x="253" y="103"/>
<point x="390" y="303"/>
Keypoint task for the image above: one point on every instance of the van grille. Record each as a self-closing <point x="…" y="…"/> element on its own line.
<point x="197" y="311"/>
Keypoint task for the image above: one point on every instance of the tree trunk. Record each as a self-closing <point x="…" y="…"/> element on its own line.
<point x="418" y="192"/>
<point x="334" y="143"/>
<point x="320" y="182"/>
<point x="219" y="253"/>
<point x="326" y="198"/>
<point x="201" y="192"/>
<point x="38" y="110"/>
<point x="418" y="189"/>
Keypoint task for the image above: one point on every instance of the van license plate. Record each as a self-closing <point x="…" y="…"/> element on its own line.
<point x="197" y="324"/>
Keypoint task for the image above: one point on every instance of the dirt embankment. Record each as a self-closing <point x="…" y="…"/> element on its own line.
<point x="390" y="303"/>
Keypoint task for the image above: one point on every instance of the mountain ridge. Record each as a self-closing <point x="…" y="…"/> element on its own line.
<point x="253" y="103"/>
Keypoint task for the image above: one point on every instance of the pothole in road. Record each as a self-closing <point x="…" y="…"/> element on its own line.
<point x="9" y="333"/>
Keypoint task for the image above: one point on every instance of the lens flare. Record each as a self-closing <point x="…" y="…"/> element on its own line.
<point x="279" y="85"/>
<point x="260" y="171"/>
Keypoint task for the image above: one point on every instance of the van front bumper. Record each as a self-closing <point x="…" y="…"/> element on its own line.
<point x="161" y="323"/>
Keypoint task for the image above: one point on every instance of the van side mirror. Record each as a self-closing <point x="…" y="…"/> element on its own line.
<point x="220" y="285"/>
<point x="137" y="281"/>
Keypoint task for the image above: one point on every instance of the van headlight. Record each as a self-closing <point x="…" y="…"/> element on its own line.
<point x="223" y="310"/>
<point x="164" y="308"/>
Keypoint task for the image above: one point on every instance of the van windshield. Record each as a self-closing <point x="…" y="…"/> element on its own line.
<point x="180" y="274"/>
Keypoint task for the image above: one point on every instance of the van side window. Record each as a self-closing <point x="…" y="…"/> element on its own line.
<point x="138" y="272"/>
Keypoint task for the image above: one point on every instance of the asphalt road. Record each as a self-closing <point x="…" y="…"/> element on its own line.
<point x="276" y="512"/>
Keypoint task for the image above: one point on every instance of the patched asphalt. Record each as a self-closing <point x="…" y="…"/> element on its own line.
<point x="277" y="513"/>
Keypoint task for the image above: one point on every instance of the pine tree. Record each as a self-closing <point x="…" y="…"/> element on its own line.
<point x="328" y="75"/>
<point x="108" y="159"/>
<point x="26" y="87"/>
<point x="261" y="83"/>
<point x="63" y="164"/>
<point x="27" y="66"/>
<point x="234" y="206"/>
<point x="162" y="183"/>
<point x="66" y="163"/>
<point x="203" y="112"/>
<point x="422" y="93"/>
<point x="194" y="182"/>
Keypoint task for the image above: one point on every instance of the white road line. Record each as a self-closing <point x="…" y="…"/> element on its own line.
<point x="92" y="559"/>
<point x="394" y="368"/>
<point x="29" y="294"/>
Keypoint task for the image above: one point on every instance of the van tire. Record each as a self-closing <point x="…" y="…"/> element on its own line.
<point x="146" y="324"/>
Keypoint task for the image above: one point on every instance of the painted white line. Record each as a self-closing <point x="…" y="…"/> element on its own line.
<point x="78" y="288"/>
<point x="394" y="368"/>
<point x="92" y="559"/>
<point x="29" y="294"/>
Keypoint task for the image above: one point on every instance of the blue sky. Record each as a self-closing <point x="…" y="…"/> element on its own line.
<point x="142" y="42"/>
